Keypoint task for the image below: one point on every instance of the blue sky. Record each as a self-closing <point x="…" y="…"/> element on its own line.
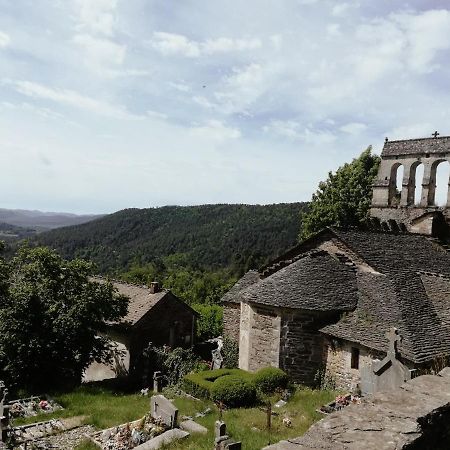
<point x="108" y="104"/>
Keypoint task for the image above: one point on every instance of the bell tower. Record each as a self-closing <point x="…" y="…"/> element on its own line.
<point x="400" y="208"/>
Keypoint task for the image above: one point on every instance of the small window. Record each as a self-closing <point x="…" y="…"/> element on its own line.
<point x="355" y="358"/>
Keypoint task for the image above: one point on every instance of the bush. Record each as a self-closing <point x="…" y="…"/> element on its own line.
<point x="174" y="364"/>
<point x="210" y="322"/>
<point x="270" y="379"/>
<point x="200" y="384"/>
<point x="230" y="352"/>
<point x="234" y="391"/>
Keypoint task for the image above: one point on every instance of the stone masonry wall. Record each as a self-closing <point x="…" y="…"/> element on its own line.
<point x="301" y="347"/>
<point x="414" y="417"/>
<point x="231" y="320"/>
<point x="338" y="354"/>
<point x="259" y="344"/>
<point x="265" y="339"/>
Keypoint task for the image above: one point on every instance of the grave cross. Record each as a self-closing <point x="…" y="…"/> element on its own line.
<point x="435" y="134"/>
<point x="393" y="338"/>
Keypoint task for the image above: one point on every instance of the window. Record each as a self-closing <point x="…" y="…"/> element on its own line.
<point x="355" y="358"/>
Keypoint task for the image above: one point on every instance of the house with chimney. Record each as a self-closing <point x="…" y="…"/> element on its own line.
<point x="155" y="315"/>
<point x="366" y="308"/>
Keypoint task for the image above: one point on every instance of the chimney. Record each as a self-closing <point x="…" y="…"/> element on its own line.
<point x="154" y="287"/>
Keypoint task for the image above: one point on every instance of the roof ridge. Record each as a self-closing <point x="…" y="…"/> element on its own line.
<point x="418" y="139"/>
<point x="127" y="283"/>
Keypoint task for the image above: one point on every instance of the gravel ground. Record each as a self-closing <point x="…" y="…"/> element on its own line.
<point x="67" y="440"/>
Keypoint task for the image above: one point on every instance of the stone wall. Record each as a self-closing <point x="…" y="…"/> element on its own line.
<point x="414" y="417"/>
<point x="302" y="345"/>
<point x="231" y="320"/>
<point x="260" y="337"/>
<point x="338" y="356"/>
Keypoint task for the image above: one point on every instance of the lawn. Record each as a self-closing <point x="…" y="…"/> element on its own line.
<point x="104" y="408"/>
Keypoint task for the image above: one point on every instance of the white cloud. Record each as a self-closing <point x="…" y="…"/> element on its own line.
<point x="215" y="130"/>
<point x="293" y="130"/>
<point x="178" y="44"/>
<point x="243" y="87"/>
<point x="5" y="40"/>
<point x="68" y="97"/>
<point x="96" y="16"/>
<point x="353" y="128"/>
<point x="100" y="53"/>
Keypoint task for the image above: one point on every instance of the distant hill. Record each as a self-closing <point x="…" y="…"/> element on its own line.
<point x="41" y="221"/>
<point x="10" y="232"/>
<point x="209" y="236"/>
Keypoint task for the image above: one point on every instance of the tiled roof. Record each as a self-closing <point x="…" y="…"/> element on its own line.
<point x="233" y="295"/>
<point x="316" y="281"/>
<point x="417" y="146"/>
<point x="141" y="300"/>
<point x="394" y="289"/>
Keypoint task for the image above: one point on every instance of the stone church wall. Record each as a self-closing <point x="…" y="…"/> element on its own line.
<point x="338" y="356"/>
<point x="259" y="338"/>
<point x="231" y="320"/>
<point x="301" y="347"/>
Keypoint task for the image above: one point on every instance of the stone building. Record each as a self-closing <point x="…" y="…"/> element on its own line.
<point x="154" y="315"/>
<point x="329" y="305"/>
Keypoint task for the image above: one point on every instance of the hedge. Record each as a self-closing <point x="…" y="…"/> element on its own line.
<point x="200" y="384"/>
<point x="269" y="379"/>
<point x="234" y="391"/>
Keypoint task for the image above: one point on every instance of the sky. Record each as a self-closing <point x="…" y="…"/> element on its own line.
<point x="111" y="104"/>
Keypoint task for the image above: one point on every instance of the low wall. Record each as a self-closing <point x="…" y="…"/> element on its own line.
<point x="414" y="417"/>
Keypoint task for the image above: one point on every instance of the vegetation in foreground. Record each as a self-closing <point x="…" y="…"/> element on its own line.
<point x="105" y="408"/>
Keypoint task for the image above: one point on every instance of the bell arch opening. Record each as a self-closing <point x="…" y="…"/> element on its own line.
<point x="440" y="178"/>
<point x="395" y="184"/>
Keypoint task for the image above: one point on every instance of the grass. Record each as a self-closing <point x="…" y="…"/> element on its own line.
<point x="102" y="407"/>
<point x="105" y="408"/>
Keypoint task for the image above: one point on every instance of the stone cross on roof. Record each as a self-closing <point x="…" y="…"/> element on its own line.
<point x="393" y="338"/>
<point x="435" y="134"/>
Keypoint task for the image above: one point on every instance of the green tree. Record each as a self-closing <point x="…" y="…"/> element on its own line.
<point x="50" y="316"/>
<point x="344" y="198"/>
<point x="210" y="322"/>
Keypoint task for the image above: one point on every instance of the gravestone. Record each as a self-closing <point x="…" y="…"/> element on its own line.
<point x="217" y="358"/>
<point x="222" y="440"/>
<point x="387" y="374"/>
<point x="157" y="378"/>
<point x="162" y="409"/>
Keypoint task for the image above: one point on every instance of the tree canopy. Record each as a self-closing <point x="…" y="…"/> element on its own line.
<point x="344" y="198"/>
<point x="50" y="316"/>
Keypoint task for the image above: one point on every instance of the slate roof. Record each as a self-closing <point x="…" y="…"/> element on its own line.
<point x="233" y="295"/>
<point x="141" y="301"/>
<point x="316" y="281"/>
<point x="432" y="146"/>
<point x="392" y="289"/>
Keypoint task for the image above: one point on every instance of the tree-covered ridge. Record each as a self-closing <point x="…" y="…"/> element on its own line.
<point x="209" y="236"/>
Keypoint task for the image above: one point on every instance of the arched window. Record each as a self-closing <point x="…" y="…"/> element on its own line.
<point x="395" y="184"/>
<point x="442" y="178"/>
<point x="416" y="181"/>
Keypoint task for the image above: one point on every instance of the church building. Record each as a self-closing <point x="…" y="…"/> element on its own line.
<point x="365" y="309"/>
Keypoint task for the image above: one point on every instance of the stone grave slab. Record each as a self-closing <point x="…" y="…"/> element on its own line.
<point x="164" y="410"/>
<point x="163" y="439"/>
<point x="193" y="427"/>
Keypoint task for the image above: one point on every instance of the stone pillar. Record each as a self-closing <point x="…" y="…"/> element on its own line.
<point x="427" y="184"/>
<point x="408" y="184"/>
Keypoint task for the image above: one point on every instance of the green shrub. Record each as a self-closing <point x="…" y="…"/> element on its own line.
<point x="230" y="352"/>
<point x="270" y="379"/>
<point x="210" y="322"/>
<point x="200" y="384"/>
<point x="234" y="391"/>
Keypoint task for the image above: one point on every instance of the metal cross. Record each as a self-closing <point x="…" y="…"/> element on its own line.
<point x="435" y="134"/>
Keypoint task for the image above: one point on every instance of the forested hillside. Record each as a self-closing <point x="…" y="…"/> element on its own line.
<point x="209" y="236"/>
